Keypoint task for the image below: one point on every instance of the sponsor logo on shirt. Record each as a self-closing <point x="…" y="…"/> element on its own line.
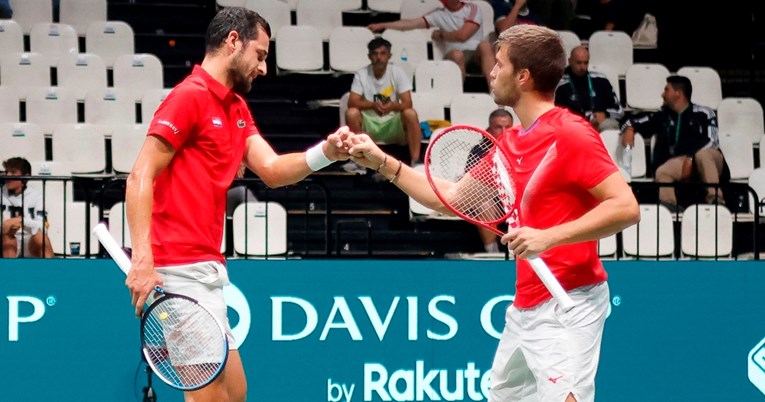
<point x="171" y="125"/>
<point x="240" y="123"/>
<point x="216" y="122"/>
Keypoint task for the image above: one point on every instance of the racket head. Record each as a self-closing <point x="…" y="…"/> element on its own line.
<point x="183" y="342"/>
<point x="468" y="172"/>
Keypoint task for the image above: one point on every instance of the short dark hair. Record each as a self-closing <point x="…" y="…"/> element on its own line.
<point x="682" y="84"/>
<point x="500" y="113"/>
<point x="242" y="20"/>
<point x="377" y="42"/>
<point x="20" y="164"/>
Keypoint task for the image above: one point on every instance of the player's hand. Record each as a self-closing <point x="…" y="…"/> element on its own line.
<point x="365" y="152"/>
<point x="526" y="242"/>
<point x="141" y="281"/>
<point x="11" y="226"/>
<point x="628" y="137"/>
<point x="376" y="27"/>
<point x="336" y="147"/>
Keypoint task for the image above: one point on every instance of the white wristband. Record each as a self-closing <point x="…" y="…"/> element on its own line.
<point x="315" y="157"/>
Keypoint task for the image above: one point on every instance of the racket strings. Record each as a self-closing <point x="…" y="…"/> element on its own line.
<point x="467" y="158"/>
<point x="183" y="342"/>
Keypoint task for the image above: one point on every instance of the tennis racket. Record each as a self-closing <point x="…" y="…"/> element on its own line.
<point x="183" y="343"/>
<point x="469" y="174"/>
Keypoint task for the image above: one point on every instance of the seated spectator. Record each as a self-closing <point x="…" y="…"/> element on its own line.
<point x="508" y="13"/>
<point x="380" y="102"/>
<point x="686" y="141"/>
<point x="460" y="31"/>
<point x="499" y="121"/>
<point x="22" y="215"/>
<point x="588" y="93"/>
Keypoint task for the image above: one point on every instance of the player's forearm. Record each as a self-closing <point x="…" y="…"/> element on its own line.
<point x="609" y="217"/>
<point x="139" y="199"/>
<point x="283" y="170"/>
<point x="413" y="183"/>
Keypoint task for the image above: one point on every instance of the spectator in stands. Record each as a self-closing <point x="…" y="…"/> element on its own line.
<point x="686" y="141"/>
<point x="176" y="192"/>
<point x="6" y="12"/>
<point x="499" y="121"/>
<point x="508" y="13"/>
<point x="23" y="215"/>
<point x="380" y="102"/>
<point x="588" y="93"/>
<point x="459" y="30"/>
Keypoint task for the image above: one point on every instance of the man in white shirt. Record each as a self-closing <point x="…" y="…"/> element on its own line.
<point x="459" y="33"/>
<point x="380" y="102"/>
<point x="22" y="215"/>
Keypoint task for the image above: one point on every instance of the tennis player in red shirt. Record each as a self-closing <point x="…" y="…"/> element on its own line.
<point x="176" y="192"/>
<point x="569" y="193"/>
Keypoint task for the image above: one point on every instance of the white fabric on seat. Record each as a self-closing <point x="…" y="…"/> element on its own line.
<point x="644" y="84"/>
<point x="260" y="229"/>
<point x="613" y="48"/>
<point x="472" y="108"/>
<point x="611" y="139"/>
<point x="440" y="76"/>
<point x="82" y="72"/>
<point x="707" y="231"/>
<point x="80" y="146"/>
<point x="21" y="139"/>
<point x="706" y="83"/>
<point x="110" y="106"/>
<point x="138" y="72"/>
<point x="607" y="247"/>
<point x="81" y="13"/>
<point x="30" y="12"/>
<point x="127" y="140"/>
<point x="150" y="102"/>
<point x="348" y="48"/>
<point x="428" y="106"/>
<point x="653" y="236"/>
<point x="109" y="39"/>
<point x="739" y="155"/>
<point x="299" y="49"/>
<point x="323" y="15"/>
<point x="756" y="181"/>
<point x="385" y="6"/>
<point x="9" y="104"/>
<point x="570" y="40"/>
<point x="11" y="37"/>
<point x="741" y="116"/>
<point x="277" y="13"/>
<point x="24" y="71"/>
<point x="51" y="106"/>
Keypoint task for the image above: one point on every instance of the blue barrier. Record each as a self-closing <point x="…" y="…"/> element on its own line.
<point x="385" y="331"/>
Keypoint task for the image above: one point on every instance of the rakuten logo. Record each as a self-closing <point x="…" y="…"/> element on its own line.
<point x="419" y="384"/>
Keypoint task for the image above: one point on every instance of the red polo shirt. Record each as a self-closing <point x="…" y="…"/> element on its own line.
<point x="207" y="124"/>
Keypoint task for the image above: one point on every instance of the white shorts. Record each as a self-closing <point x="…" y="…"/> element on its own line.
<point x="23" y="238"/>
<point x="545" y="354"/>
<point x="203" y="281"/>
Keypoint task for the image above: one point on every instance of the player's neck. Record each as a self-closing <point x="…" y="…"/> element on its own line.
<point x="218" y="69"/>
<point x="530" y="108"/>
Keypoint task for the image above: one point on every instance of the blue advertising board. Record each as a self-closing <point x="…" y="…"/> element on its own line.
<point x="370" y="330"/>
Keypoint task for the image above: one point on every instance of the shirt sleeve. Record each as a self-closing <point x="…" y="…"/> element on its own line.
<point x="403" y="84"/>
<point x="586" y="159"/>
<point x="175" y="118"/>
<point x="357" y="86"/>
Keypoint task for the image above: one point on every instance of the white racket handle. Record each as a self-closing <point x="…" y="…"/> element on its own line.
<point x="111" y="246"/>
<point x="552" y="284"/>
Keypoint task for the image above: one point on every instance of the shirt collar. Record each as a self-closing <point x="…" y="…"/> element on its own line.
<point x="220" y="91"/>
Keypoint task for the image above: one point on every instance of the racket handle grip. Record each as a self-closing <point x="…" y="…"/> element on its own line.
<point x="551" y="283"/>
<point x="111" y="246"/>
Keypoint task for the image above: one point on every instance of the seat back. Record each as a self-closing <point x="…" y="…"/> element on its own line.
<point x="260" y="229"/>
<point x="653" y="236"/>
<point x="707" y="231"/>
